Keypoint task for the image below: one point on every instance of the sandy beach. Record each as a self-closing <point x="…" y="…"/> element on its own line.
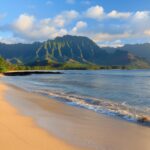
<point x="31" y="121"/>
<point x="18" y="132"/>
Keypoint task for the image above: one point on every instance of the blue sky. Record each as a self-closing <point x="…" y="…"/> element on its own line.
<point x="107" y="22"/>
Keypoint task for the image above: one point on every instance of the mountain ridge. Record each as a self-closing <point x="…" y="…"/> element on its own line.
<point x="140" y="50"/>
<point x="63" y="49"/>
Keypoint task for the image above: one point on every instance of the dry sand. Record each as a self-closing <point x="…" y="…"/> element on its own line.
<point x="18" y="132"/>
<point x="76" y="126"/>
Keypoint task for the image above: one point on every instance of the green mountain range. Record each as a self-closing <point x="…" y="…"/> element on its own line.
<point x="140" y="50"/>
<point x="68" y="50"/>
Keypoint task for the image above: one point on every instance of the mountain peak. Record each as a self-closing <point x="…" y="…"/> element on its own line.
<point x="67" y="37"/>
<point x="63" y="49"/>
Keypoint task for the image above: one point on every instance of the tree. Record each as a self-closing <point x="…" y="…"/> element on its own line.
<point x="4" y="65"/>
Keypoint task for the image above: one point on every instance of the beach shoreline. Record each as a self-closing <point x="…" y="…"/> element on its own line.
<point x="20" y="132"/>
<point x="77" y="126"/>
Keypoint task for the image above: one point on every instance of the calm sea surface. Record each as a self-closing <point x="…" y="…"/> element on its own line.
<point x="119" y="93"/>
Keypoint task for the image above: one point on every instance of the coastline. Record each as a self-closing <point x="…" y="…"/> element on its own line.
<point x="20" y="132"/>
<point x="77" y="126"/>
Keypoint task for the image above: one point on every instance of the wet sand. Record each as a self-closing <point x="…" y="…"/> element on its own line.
<point x="18" y="132"/>
<point x="76" y="126"/>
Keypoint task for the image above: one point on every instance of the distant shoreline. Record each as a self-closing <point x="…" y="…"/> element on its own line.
<point x="57" y="71"/>
<point x="29" y="72"/>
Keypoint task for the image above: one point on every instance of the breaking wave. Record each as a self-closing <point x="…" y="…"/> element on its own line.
<point x="106" y="107"/>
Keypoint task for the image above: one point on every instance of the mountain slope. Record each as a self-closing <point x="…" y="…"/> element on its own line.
<point x="22" y="52"/>
<point x="4" y="65"/>
<point x="140" y="50"/>
<point x="67" y="49"/>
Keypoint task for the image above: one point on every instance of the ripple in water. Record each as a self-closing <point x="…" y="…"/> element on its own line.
<point x="118" y="93"/>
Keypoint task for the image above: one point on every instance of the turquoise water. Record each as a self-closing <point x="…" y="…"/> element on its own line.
<point x="119" y="93"/>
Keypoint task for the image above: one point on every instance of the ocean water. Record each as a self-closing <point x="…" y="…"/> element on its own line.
<point x="123" y="94"/>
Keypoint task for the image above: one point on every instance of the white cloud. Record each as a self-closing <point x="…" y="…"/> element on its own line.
<point x="95" y="12"/>
<point x="72" y="14"/>
<point x="61" y="19"/>
<point x="121" y="15"/>
<point x="141" y="18"/>
<point x="140" y="22"/>
<point x="101" y="37"/>
<point x="79" y="25"/>
<point x="147" y="32"/>
<point x="65" y="18"/>
<point x="24" y="22"/>
<point x="115" y="44"/>
<point x="140" y="15"/>
<point x="70" y="1"/>
<point x="27" y="27"/>
<point x="11" y="40"/>
<point x="135" y="25"/>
